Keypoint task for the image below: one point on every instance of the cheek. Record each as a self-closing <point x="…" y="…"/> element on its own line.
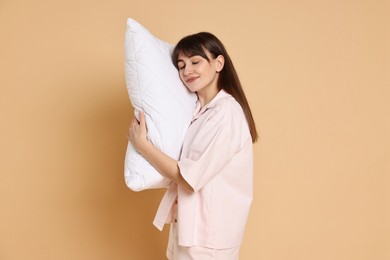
<point x="181" y="76"/>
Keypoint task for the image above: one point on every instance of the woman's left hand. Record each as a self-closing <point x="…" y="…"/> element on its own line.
<point x="137" y="134"/>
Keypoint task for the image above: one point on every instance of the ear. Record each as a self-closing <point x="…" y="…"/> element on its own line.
<point x="219" y="63"/>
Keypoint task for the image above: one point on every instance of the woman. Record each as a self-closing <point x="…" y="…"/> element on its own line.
<point x="210" y="195"/>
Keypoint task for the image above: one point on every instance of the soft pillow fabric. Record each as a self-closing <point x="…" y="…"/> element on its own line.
<point x="154" y="86"/>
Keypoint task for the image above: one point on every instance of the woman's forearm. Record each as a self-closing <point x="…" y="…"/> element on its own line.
<point x="165" y="165"/>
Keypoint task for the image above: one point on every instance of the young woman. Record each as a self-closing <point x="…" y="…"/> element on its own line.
<point x="210" y="195"/>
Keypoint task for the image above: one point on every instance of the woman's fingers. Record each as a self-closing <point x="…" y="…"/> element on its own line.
<point x="137" y="129"/>
<point x="142" y="119"/>
<point x="137" y="134"/>
<point x="134" y="122"/>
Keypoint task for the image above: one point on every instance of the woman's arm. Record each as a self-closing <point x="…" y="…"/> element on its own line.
<point x="165" y="165"/>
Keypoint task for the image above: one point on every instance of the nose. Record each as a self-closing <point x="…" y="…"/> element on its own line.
<point x="187" y="71"/>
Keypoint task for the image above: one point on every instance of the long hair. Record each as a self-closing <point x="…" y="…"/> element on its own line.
<point x="228" y="79"/>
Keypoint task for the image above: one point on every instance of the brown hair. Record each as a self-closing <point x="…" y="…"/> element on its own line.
<point x="228" y="79"/>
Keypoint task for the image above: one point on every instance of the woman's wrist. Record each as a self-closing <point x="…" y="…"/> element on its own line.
<point x="143" y="146"/>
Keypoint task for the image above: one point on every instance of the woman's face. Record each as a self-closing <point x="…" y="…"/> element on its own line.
<point x="197" y="73"/>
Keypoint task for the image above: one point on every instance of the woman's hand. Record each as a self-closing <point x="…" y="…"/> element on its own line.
<point x="137" y="132"/>
<point x="164" y="164"/>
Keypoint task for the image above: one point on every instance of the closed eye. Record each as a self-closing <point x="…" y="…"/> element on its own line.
<point x="181" y="65"/>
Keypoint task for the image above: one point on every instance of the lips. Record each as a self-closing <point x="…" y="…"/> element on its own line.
<point x="190" y="80"/>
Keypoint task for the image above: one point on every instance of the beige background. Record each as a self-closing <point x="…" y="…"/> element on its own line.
<point x="317" y="77"/>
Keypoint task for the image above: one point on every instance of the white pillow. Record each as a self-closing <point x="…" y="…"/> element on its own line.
<point x="154" y="86"/>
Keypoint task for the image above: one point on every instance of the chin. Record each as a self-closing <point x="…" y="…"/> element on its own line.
<point x="193" y="90"/>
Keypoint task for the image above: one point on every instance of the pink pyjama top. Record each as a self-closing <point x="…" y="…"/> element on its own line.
<point x="217" y="161"/>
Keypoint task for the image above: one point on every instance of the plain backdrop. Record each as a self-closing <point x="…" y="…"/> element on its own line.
<point x="317" y="76"/>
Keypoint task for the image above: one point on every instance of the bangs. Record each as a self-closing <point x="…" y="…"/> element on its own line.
<point x="189" y="46"/>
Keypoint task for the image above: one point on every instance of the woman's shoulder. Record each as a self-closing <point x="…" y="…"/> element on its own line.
<point x="230" y="116"/>
<point x="227" y="105"/>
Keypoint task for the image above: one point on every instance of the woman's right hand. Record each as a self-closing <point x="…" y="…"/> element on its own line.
<point x="164" y="164"/>
<point x="137" y="133"/>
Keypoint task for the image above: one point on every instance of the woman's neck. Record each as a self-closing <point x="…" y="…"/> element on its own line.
<point x="206" y="95"/>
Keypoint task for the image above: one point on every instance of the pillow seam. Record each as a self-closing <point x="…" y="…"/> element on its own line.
<point x="137" y="73"/>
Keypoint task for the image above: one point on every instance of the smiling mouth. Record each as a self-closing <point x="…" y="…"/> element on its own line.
<point x="190" y="80"/>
